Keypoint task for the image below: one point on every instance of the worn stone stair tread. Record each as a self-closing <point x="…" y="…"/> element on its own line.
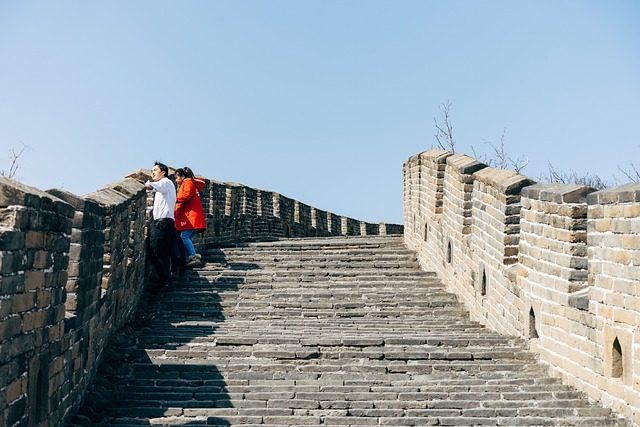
<point x="331" y="331"/>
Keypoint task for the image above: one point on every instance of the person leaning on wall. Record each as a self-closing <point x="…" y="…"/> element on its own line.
<point x="163" y="229"/>
<point x="189" y="215"/>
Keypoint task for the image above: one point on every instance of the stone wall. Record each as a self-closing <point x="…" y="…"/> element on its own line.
<point x="73" y="272"/>
<point x="557" y="264"/>
<point x="239" y="213"/>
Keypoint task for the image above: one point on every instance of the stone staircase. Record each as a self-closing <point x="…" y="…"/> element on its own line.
<point x="328" y="331"/>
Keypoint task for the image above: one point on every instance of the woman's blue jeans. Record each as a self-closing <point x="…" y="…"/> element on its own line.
<point x="187" y="236"/>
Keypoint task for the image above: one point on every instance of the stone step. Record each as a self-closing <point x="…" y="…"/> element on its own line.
<point x="331" y="331"/>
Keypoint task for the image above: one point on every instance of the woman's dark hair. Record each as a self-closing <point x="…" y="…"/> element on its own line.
<point x="185" y="172"/>
<point x="189" y="173"/>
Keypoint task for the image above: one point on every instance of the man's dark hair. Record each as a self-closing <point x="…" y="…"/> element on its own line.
<point x="163" y="168"/>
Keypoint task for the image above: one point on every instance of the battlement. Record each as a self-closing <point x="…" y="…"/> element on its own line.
<point x="73" y="272"/>
<point x="558" y="264"/>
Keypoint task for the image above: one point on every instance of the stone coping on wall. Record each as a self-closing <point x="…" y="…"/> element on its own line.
<point x="464" y="164"/>
<point x="16" y="193"/>
<point x="506" y="181"/>
<point x="558" y="193"/>
<point x="626" y="193"/>
<point x="435" y="155"/>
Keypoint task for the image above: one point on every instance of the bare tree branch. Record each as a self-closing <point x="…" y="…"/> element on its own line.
<point x="632" y="174"/>
<point x="444" y="134"/>
<point x="500" y="158"/>
<point x="572" y="177"/>
<point x="14" y="165"/>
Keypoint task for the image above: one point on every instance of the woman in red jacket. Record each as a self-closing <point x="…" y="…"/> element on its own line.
<point x="189" y="215"/>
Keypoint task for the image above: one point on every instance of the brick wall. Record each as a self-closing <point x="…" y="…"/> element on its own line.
<point x="34" y="240"/>
<point x="557" y="264"/>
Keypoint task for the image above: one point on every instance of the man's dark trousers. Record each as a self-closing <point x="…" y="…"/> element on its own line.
<point x="162" y="233"/>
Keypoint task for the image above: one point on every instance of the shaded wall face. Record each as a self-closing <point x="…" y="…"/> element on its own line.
<point x="73" y="271"/>
<point x="554" y="263"/>
<point x="35" y="231"/>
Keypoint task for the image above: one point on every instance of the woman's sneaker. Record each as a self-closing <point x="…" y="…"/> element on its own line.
<point x="194" y="260"/>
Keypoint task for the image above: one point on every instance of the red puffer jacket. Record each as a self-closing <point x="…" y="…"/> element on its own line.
<point x="189" y="214"/>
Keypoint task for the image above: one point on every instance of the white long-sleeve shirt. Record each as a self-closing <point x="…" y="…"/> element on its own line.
<point x="164" y="201"/>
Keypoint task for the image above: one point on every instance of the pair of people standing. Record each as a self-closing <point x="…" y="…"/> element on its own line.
<point x="172" y="213"/>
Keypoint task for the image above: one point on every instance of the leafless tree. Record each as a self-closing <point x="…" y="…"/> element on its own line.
<point x="572" y="177"/>
<point x="13" y="163"/>
<point x="632" y="174"/>
<point x="500" y="159"/>
<point x="444" y="130"/>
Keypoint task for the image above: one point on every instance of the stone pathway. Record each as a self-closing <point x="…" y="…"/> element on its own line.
<point x="315" y="332"/>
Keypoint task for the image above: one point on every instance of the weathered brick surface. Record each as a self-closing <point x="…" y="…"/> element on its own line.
<point x="555" y="263"/>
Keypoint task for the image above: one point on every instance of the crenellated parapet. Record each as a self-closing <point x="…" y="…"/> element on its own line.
<point x="557" y="264"/>
<point x="238" y="213"/>
<point x="73" y="272"/>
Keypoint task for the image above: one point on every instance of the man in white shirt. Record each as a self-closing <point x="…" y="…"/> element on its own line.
<point x="163" y="229"/>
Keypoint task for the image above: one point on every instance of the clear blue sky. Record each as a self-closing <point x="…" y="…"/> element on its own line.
<point x="321" y="101"/>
